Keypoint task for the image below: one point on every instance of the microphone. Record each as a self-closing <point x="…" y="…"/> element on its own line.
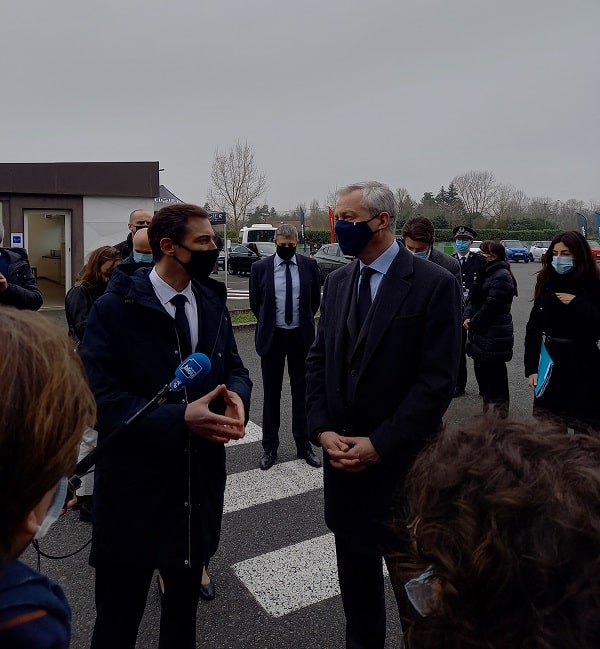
<point x="192" y="370"/>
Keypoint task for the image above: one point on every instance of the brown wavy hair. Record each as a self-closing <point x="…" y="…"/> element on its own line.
<point x="47" y="405"/>
<point x="90" y="274"/>
<point x="585" y="268"/>
<point x="508" y="516"/>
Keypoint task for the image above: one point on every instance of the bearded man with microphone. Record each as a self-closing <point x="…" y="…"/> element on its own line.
<point x="160" y="486"/>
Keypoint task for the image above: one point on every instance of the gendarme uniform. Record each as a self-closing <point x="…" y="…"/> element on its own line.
<point x="471" y="264"/>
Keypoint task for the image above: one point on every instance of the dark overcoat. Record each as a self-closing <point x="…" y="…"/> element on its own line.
<point x="23" y="291"/>
<point x="158" y="495"/>
<point x="262" y="300"/>
<point x="572" y="331"/>
<point x="491" y="336"/>
<point x="391" y="381"/>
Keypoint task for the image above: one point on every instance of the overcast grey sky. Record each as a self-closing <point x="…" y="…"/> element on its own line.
<point x="327" y="92"/>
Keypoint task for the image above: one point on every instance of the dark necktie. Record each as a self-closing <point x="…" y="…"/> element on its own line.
<point x="289" y="305"/>
<point x="364" y="294"/>
<point x="179" y="301"/>
<point x="462" y="261"/>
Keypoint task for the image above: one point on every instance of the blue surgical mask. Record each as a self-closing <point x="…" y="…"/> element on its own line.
<point x="562" y="265"/>
<point x="422" y="255"/>
<point x="420" y="592"/>
<point x="142" y="257"/>
<point x="462" y="245"/>
<point x="56" y="506"/>
<point x="353" y="236"/>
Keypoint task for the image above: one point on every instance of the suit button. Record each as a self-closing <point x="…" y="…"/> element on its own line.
<point x="353" y="372"/>
<point x="176" y="352"/>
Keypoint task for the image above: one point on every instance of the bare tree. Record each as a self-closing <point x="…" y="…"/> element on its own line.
<point x="477" y="190"/>
<point x="236" y="182"/>
<point x="406" y="205"/>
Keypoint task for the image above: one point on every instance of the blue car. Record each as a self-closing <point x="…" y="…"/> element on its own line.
<point x="516" y="250"/>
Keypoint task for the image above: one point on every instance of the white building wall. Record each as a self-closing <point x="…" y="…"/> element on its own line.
<point x="105" y="219"/>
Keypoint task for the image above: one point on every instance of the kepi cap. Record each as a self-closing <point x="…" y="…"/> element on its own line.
<point x="464" y="232"/>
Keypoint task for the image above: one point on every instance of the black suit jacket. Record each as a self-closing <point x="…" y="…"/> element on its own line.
<point x="262" y="300"/>
<point x="391" y="381"/>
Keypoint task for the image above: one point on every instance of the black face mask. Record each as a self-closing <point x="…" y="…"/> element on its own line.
<point x="201" y="264"/>
<point x="286" y="252"/>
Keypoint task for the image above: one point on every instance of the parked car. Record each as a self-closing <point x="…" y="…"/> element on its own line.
<point x="221" y="260"/>
<point x="240" y="259"/>
<point x="266" y="248"/>
<point x="516" y="250"/>
<point x="475" y="247"/>
<point x="595" y="246"/>
<point x="538" y="249"/>
<point x="329" y="257"/>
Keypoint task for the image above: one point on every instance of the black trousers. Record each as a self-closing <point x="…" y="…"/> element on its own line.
<point x="360" y="574"/>
<point x="492" y="378"/>
<point x="121" y="594"/>
<point x="287" y="343"/>
<point x="461" y="381"/>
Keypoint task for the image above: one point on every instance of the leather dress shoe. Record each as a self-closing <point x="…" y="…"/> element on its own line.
<point x="267" y="460"/>
<point x="208" y="592"/>
<point x="311" y="459"/>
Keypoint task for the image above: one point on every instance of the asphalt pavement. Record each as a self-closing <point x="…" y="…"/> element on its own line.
<point x="275" y="568"/>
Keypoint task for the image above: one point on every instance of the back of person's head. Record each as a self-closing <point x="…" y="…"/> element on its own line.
<point x="141" y="243"/>
<point x="171" y="223"/>
<point x="419" y="228"/>
<point x="47" y="407"/>
<point x="101" y="263"/>
<point x="508" y="518"/>
<point x="493" y="248"/>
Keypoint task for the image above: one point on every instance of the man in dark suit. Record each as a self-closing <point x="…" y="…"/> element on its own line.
<point x="471" y="269"/>
<point x="171" y="465"/>
<point x="418" y="236"/>
<point x="138" y="220"/>
<point x="380" y="376"/>
<point x="285" y="293"/>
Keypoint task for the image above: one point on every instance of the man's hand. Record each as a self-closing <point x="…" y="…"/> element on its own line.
<point x="350" y="454"/>
<point x="532" y="380"/>
<point x="216" y="428"/>
<point x="3" y="283"/>
<point x="466" y="323"/>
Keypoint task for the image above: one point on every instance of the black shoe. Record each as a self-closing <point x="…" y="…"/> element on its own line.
<point x="311" y="458"/>
<point x="207" y="591"/>
<point x="458" y="392"/>
<point x="267" y="460"/>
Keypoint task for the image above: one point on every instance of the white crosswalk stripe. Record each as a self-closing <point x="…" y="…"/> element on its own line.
<point x="237" y="294"/>
<point x="292" y="578"/>
<point x="256" y="487"/>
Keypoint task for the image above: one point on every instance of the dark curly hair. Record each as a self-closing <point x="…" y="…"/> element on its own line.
<point x="508" y="517"/>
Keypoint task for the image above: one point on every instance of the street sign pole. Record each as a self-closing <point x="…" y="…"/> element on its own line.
<point x="220" y="218"/>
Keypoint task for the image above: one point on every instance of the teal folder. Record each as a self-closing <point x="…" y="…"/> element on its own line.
<point x="544" y="371"/>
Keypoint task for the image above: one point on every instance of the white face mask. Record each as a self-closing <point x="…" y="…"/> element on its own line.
<point x="420" y="592"/>
<point x="56" y="506"/>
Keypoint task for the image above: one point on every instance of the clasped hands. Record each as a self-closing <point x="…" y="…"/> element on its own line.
<point x="352" y="454"/>
<point x="216" y="428"/>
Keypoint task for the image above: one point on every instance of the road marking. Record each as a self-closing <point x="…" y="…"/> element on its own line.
<point x="253" y="434"/>
<point x="237" y="294"/>
<point x="292" y="578"/>
<point x="257" y="487"/>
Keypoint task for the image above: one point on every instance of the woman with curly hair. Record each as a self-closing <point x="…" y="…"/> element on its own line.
<point x="505" y="526"/>
<point x="566" y="315"/>
<point x="488" y="321"/>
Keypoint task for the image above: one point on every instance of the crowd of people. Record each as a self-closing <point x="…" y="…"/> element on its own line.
<point x="490" y="532"/>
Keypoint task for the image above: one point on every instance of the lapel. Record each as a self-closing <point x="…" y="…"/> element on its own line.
<point x="343" y="305"/>
<point x="303" y="285"/>
<point x="393" y="290"/>
<point x="270" y="283"/>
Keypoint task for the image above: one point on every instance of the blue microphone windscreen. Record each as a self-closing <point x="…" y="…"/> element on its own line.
<point x="195" y="368"/>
